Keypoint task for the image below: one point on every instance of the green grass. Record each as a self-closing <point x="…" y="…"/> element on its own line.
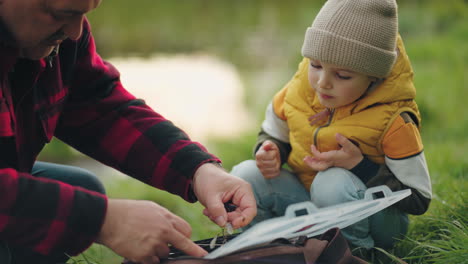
<point x="262" y="39"/>
<point x="441" y="236"/>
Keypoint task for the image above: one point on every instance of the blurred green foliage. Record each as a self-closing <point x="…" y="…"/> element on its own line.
<point x="262" y="39"/>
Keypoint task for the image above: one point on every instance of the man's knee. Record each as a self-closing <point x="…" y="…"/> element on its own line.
<point x="91" y="182"/>
<point x="5" y="256"/>
<point x="68" y="174"/>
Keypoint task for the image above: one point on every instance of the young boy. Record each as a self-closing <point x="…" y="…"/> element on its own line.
<point x="346" y="121"/>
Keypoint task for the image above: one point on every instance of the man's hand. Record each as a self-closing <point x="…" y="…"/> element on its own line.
<point x="141" y="231"/>
<point x="213" y="187"/>
<point x="268" y="159"/>
<point x="347" y="157"/>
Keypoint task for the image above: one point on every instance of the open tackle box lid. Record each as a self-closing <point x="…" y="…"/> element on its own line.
<point x="305" y="219"/>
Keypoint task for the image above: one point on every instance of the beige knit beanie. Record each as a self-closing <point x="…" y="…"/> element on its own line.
<point x="356" y="34"/>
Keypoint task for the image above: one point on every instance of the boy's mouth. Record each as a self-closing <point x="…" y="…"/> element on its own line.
<point x="325" y="96"/>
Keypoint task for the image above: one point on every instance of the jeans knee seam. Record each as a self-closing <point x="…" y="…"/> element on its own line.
<point x="356" y="183"/>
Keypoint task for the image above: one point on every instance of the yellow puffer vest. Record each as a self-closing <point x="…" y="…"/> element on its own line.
<point x="365" y="121"/>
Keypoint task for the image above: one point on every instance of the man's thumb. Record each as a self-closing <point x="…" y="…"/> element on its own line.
<point x="218" y="213"/>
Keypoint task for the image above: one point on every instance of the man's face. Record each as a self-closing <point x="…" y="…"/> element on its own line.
<point x="38" y="26"/>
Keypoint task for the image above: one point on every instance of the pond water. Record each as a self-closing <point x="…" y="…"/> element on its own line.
<point x="199" y="93"/>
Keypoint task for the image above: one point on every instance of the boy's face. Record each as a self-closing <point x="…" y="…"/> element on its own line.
<point x="336" y="86"/>
<point x="38" y="26"/>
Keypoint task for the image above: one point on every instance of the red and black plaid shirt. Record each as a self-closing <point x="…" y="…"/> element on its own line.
<point x="79" y="99"/>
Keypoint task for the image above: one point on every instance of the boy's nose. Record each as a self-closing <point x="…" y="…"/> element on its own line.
<point x="324" y="81"/>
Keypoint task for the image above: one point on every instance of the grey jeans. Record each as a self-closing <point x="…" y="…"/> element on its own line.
<point x="330" y="187"/>
<point x="10" y="254"/>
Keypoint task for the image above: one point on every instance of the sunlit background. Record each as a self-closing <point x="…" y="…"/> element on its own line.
<point x="212" y="66"/>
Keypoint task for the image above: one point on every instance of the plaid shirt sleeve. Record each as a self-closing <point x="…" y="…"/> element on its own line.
<point x="106" y="122"/>
<point x="48" y="216"/>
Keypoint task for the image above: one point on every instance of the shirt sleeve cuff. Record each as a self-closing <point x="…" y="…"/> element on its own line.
<point x="365" y="170"/>
<point x="191" y="197"/>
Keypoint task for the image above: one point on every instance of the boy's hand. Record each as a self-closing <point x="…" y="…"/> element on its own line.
<point x="268" y="159"/>
<point x="347" y="157"/>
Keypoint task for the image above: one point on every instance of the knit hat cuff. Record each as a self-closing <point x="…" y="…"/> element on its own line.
<point x="354" y="55"/>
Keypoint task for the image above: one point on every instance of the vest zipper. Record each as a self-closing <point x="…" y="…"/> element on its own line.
<point x="332" y="111"/>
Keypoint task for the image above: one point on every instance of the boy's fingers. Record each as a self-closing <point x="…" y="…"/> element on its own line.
<point x="270" y="171"/>
<point x="342" y="140"/>
<point x="268" y="163"/>
<point x="309" y="161"/>
<point x="314" y="150"/>
<point x="267" y="153"/>
<point x="269" y="156"/>
<point x="326" y="156"/>
<point x="317" y="155"/>
<point x="346" y="142"/>
<point x="269" y="145"/>
<point x="316" y="164"/>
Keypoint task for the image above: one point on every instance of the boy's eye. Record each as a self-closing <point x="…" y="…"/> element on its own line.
<point x="343" y="77"/>
<point x="315" y="66"/>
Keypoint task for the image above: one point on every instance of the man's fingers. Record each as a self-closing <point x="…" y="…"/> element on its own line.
<point x="153" y="255"/>
<point x="186" y="245"/>
<point x="163" y="252"/>
<point x="247" y="210"/>
<point x="245" y="217"/>
<point x="216" y="211"/>
<point x="181" y="225"/>
<point x="151" y="260"/>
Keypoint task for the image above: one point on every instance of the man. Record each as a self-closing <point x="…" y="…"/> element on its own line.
<point x="71" y="93"/>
